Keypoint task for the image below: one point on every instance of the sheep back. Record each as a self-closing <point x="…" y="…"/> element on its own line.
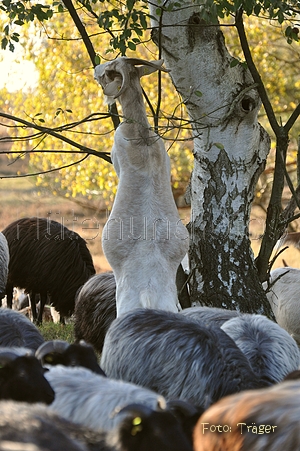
<point x="175" y="356"/>
<point x="209" y="315"/>
<point x="36" y="428"/>
<point x="17" y="330"/>
<point x="271" y="351"/>
<point x="93" y="400"/>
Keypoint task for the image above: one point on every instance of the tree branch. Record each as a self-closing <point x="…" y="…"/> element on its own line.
<point x="82" y="31"/>
<point x="44" y="172"/>
<point x="254" y="72"/>
<point x="294" y="116"/>
<point x="91" y="51"/>
<point x="49" y="131"/>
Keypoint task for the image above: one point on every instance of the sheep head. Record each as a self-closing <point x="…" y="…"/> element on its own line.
<point x="114" y="76"/>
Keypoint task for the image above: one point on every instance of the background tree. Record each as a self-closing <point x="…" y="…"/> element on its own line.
<point x="222" y="98"/>
<point x="52" y="103"/>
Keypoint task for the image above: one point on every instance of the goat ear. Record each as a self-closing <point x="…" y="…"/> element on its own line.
<point x="112" y="89"/>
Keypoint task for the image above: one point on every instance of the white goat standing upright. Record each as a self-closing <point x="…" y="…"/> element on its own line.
<point x="144" y="239"/>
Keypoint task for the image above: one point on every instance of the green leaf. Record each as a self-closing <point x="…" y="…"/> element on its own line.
<point x="4" y="43"/>
<point x="257" y="9"/>
<point x="143" y="21"/>
<point x="97" y="60"/>
<point x="219" y="146"/>
<point x="130" y="4"/>
<point x="131" y="45"/>
<point x="198" y="93"/>
<point x="234" y="62"/>
<point x="15" y="37"/>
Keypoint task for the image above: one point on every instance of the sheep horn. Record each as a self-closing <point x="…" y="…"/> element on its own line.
<point x="161" y="403"/>
<point x="84" y="343"/>
<point x="7" y="356"/>
<point x="58" y="346"/>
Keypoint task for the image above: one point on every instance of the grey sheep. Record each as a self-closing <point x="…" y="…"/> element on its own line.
<point x="35" y="428"/>
<point x="176" y="357"/>
<point x="60" y="352"/>
<point x="282" y="291"/>
<point x="17" y="330"/>
<point x="95" y="308"/>
<point x="209" y="315"/>
<point x="271" y="351"/>
<point x="93" y="400"/>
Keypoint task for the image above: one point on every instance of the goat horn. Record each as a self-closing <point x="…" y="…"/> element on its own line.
<point x="51" y="346"/>
<point x="157" y="64"/>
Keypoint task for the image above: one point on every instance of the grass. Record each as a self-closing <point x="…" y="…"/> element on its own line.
<point x="52" y="331"/>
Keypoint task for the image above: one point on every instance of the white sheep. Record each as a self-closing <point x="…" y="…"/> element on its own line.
<point x="93" y="400"/>
<point x="4" y="261"/>
<point x="144" y="239"/>
<point x="284" y="297"/>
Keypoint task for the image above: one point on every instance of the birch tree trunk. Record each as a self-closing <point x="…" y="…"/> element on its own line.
<point x="230" y="151"/>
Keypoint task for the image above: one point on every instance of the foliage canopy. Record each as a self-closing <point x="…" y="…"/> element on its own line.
<point x="66" y="98"/>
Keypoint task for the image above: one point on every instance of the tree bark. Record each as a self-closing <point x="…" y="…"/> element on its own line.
<point x="230" y="151"/>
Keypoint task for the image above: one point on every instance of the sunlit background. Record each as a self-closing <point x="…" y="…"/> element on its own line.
<point x="16" y="73"/>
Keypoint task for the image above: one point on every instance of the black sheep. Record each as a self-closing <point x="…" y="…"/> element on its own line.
<point x="47" y="258"/>
<point x="22" y="377"/>
<point x="95" y="309"/>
